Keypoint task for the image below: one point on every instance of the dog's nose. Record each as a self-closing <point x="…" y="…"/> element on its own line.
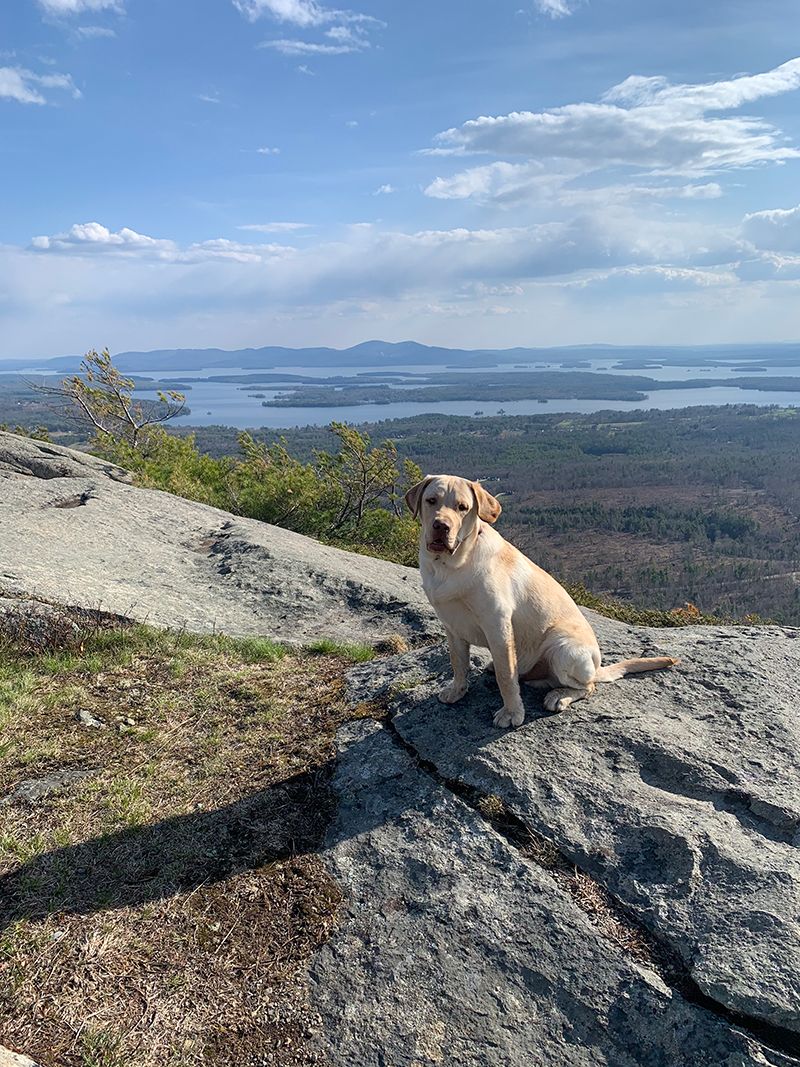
<point x="441" y="527"/>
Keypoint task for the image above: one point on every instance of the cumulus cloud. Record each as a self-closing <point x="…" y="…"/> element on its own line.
<point x="384" y="190"/>
<point x="774" y="230"/>
<point x="645" y="124"/>
<point x="93" y="239"/>
<point x="26" y="87"/>
<point x="266" y="150"/>
<point x="92" y="236"/>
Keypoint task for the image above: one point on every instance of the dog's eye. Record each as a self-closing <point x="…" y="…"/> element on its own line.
<point x="463" y="507"/>
<point x="430" y="500"/>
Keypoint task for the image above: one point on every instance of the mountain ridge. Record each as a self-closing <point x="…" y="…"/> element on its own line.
<point x="365" y="353"/>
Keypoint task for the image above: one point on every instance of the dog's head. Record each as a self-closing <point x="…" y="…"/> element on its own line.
<point x="450" y="509"/>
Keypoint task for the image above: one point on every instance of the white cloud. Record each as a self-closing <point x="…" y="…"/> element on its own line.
<point x="267" y="151"/>
<point x="26" y="87"/>
<point x="556" y="9"/>
<point x="384" y="190"/>
<point x="303" y="69"/>
<point x="509" y="183"/>
<point x="209" y="98"/>
<point x="610" y="275"/>
<point x="774" y="230"/>
<point x="89" y="33"/>
<point x="303" y="13"/>
<point x="92" y="239"/>
<point x="345" y="31"/>
<point x="62" y="8"/>
<point x="292" y="47"/>
<point x="711" y="96"/>
<point x="274" y="227"/>
<point x="708" y="191"/>
<point x="300" y="12"/>
<point x="368" y="262"/>
<point x="673" y="275"/>
<point x="626" y="193"/>
<point x="496" y="181"/>
<point x="345" y="35"/>
<point x="644" y="124"/>
<point x="94" y="236"/>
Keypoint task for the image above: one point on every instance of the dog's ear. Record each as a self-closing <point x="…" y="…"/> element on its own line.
<point x="488" y="508"/>
<point x="414" y="496"/>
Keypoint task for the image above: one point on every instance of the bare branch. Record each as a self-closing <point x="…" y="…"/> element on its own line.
<point x="101" y="397"/>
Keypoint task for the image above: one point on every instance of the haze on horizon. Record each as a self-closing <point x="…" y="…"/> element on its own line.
<point x="285" y="172"/>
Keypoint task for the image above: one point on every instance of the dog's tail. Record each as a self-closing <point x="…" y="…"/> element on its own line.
<point x="614" y="671"/>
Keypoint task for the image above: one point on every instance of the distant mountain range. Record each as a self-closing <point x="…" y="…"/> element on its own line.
<point x="386" y="353"/>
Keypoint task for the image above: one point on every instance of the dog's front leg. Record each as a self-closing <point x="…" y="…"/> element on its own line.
<point x="504" y="657"/>
<point x="459" y="660"/>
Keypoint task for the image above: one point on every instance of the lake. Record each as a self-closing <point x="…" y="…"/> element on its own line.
<point x="227" y="403"/>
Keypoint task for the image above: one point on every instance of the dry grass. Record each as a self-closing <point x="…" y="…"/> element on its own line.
<point x="162" y="910"/>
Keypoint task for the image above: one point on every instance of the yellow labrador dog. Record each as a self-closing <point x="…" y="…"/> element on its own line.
<point x="487" y="593"/>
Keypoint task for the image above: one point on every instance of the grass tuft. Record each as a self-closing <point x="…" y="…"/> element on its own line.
<point x="353" y="653"/>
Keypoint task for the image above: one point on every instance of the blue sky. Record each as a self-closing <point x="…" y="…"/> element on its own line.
<point x="466" y="172"/>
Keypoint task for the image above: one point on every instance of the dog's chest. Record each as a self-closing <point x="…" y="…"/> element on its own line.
<point x="452" y="606"/>
<point x="460" y="621"/>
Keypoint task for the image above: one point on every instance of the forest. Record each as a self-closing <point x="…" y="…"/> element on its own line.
<point x="542" y="385"/>
<point x="660" y="508"/>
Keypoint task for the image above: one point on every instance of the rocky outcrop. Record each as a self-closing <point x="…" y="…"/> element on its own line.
<point x="73" y="530"/>
<point x="677" y="793"/>
<point x="456" y="949"/>
<point x="674" y="796"/>
<point x="39" y="459"/>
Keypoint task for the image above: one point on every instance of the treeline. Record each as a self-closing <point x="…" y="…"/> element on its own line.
<point x="659" y="522"/>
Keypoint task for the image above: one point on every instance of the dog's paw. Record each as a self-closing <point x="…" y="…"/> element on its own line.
<point x="506" y="717"/>
<point x="555" y="700"/>
<point x="451" y="693"/>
